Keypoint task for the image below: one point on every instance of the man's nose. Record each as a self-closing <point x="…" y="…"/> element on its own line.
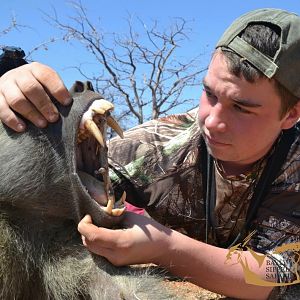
<point x="215" y="121"/>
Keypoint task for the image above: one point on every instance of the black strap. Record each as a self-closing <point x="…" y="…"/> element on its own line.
<point x="269" y="174"/>
<point x="271" y="170"/>
<point x="208" y="186"/>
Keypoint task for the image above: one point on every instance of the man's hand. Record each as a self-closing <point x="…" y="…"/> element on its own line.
<point x="144" y="240"/>
<point x="26" y="90"/>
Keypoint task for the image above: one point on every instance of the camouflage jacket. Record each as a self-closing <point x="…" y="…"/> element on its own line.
<point x="158" y="164"/>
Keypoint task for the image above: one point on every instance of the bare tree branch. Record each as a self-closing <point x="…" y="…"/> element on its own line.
<point x="139" y="68"/>
<point x="14" y="25"/>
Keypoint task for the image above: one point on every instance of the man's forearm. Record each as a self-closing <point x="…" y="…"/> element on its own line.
<point x="205" y="266"/>
<point x="146" y="241"/>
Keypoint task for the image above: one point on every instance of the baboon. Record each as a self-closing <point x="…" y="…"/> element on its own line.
<point x="43" y="196"/>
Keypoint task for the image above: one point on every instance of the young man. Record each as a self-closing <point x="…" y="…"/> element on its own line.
<point x="213" y="178"/>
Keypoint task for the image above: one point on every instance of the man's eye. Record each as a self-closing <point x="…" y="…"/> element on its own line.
<point x="208" y="93"/>
<point x="211" y="97"/>
<point x="241" y="109"/>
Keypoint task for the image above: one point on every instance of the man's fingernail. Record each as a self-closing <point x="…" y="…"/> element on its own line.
<point x="41" y="123"/>
<point x="67" y="101"/>
<point x="20" y="127"/>
<point x="52" y="117"/>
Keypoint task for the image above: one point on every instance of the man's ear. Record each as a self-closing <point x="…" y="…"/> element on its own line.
<point x="291" y="117"/>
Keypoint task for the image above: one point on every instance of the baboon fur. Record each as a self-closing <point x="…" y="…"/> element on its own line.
<point x="41" y="202"/>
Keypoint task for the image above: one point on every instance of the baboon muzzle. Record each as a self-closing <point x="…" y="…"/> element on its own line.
<point x="62" y="171"/>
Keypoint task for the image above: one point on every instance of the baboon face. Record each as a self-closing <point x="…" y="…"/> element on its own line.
<point x="62" y="171"/>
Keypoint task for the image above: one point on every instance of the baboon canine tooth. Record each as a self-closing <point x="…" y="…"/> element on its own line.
<point x="105" y="210"/>
<point x="110" y="205"/>
<point x="91" y="126"/>
<point x="111" y="122"/>
<point x="106" y="105"/>
<point x="98" y="110"/>
<point x="101" y="106"/>
<point x="116" y="212"/>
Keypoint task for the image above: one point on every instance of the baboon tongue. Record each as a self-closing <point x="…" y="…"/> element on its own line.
<point x="94" y="187"/>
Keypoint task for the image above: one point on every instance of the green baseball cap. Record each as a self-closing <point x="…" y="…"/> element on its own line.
<point x="285" y="65"/>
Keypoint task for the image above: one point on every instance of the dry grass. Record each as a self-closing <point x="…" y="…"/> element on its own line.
<point x="184" y="290"/>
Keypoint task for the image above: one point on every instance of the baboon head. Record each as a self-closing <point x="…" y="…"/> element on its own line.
<point x="51" y="178"/>
<point x="61" y="171"/>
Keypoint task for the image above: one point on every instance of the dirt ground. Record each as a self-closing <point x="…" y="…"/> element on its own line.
<point x="184" y="290"/>
<point x="188" y="291"/>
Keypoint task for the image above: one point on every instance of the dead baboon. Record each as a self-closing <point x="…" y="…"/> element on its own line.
<point x="42" y="199"/>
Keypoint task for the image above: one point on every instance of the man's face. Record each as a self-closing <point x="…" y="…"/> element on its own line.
<point x="240" y="120"/>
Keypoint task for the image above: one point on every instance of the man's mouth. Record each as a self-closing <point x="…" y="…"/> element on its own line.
<point x="214" y="141"/>
<point x="91" y="155"/>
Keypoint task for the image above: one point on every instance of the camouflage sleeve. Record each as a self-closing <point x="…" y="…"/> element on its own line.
<point x="144" y="145"/>
<point x="279" y="240"/>
<point x="278" y="228"/>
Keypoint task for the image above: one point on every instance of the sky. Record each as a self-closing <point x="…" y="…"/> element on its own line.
<point x="208" y="19"/>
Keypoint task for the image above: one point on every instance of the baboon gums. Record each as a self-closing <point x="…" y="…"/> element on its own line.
<point x="42" y="199"/>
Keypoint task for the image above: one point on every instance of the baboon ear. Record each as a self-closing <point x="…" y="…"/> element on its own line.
<point x="80" y="87"/>
<point x="291" y="117"/>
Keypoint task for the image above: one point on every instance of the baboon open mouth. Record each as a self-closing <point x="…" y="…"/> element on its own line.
<point x="91" y="154"/>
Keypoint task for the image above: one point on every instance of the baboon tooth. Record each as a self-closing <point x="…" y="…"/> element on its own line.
<point x="81" y="136"/>
<point x="101" y="106"/>
<point x="102" y="171"/>
<point x="81" y="131"/>
<point x="105" y="209"/>
<point x="111" y="122"/>
<point x="106" y="105"/>
<point x="110" y="205"/>
<point x="123" y="197"/>
<point x="98" y="110"/>
<point x="116" y="212"/>
<point x="91" y="126"/>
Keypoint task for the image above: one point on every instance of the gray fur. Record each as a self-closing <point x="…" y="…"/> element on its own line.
<point x="41" y="203"/>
